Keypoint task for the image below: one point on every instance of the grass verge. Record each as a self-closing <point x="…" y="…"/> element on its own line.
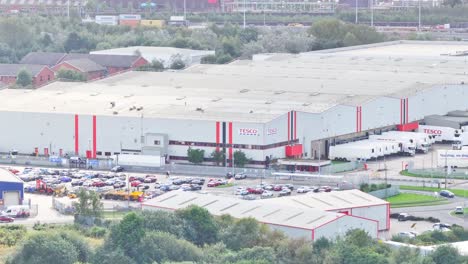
<point x="465" y="215"/>
<point x="457" y="192"/>
<point x="114" y="214"/>
<point x="412" y="200"/>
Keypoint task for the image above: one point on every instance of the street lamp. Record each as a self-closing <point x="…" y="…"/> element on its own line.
<point x="244" y="13"/>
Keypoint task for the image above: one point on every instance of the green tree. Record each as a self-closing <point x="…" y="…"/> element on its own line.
<point x="105" y="255"/>
<point x="218" y="157"/>
<point x="15" y="33"/>
<point x="245" y="233"/>
<point x="453" y="3"/>
<point x="161" y="247"/>
<point x="209" y="59"/>
<point x="203" y="228"/>
<point x="24" y="78"/>
<point x="350" y="40"/>
<point x="103" y="46"/>
<point x="445" y="255"/>
<point x="70" y="76"/>
<point x="177" y="64"/>
<point x="248" y="35"/>
<point x="155" y="66"/>
<point x="49" y="248"/>
<point x="75" y="42"/>
<point x="163" y="222"/>
<point x="240" y="159"/>
<point x="223" y="59"/>
<point x="89" y="203"/>
<point x="329" y="33"/>
<point x="195" y="156"/>
<point x="128" y="233"/>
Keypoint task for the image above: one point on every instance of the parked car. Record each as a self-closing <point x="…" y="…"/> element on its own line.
<point x="249" y="197"/>
<point x="229" y="175"/>
<point x="150" y="179"/>
<point x="440" y="226"/>
<point x="117" y="169"/>
<point x="213" y="184"/>
<point x="447" y="194"/>
<point x="303" y="189"/>
<point x="267" y="194"/>
<point x="459" y="210"/>
<point x="255" y="190"/>
<point x="195" y="187"/>
<point x="119" y="184"/>
<point x="289" y="186"/>
<point x="135" y="183"/>
<point x="403" y="217"/>
<point x="277" y="188"/>
<point x="268" y="187"/>
<point x="326" y="188"/>
<point x="6" y="219"/>
<point x="240" y="176"/>
<point x="198" y="181"/>
<point x="285" y="192"/>
<point x="409" y="234"/>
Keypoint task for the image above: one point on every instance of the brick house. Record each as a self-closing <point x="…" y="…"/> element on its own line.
<point x="113" y="63"/>
<point x="87" y="67"/>
<point x="41" y="74"/>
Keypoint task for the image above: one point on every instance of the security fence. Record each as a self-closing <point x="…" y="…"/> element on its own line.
<point x="455" y="173"/>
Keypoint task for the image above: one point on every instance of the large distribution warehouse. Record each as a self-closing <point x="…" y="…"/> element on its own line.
<point x="297" y="222"/>
<point x="11" y="189"/>
<point x="277" y="105"/>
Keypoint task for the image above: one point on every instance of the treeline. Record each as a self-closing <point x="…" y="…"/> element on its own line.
<point x="192" y="235"/>
<point x="21" y="35"/>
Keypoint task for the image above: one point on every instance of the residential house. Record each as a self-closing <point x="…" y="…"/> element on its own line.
<point x="87" y="67"/>
<point x="41" y="74"/>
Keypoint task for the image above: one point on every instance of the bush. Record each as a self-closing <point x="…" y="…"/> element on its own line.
<point x="70" y="76"/>
<point x="11" y="235"/>
<point x="97" y="232"/>
<point x="209" y="59"/>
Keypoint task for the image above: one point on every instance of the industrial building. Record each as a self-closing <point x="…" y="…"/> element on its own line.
<point x="351" y="202"/>
<point x="276" y="105"/>
<point x="11" y="189"/>
<point x="296" y="222"/>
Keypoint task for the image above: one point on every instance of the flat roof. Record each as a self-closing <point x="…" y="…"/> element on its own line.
<point x="284" y="215"/>
<point x="252" y="91"/>
<point x="7" y="176"/>
<point x="328" y="201"/>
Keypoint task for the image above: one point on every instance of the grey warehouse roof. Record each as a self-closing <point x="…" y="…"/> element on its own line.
<point x="14" y="69"/>
<point x="85" y="65"/>
<point x="7" y="176"/>
<point x="328" y="201"/>
<point x="266" y="213"/>
<point x="45" y="58"/>
<point x="258" y="90"/>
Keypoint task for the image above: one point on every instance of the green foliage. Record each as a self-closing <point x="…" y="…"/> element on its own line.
<point x="89" y="203"/>
<point x="244" y="233"/>
<point x="70" y="76"/>
<point x="204" y="229"/>
<point x="105" y="255"/>
<point x="240" y="159"/>
<point x="50" y="248"/>
<point x="24" y="78"/>
<point x="177" y="64"/>
<point x="365" y="187"/>
<point x="164" y="222"/>
<point x="155" y="66"/>
<point x="453" y="3"/>
<point x="97" y="232"/>
<point x="10" y="235"/>
<point x="195" y="156"/>
<point x="128" y="233"/>
<point x="218" y="157"/>
<point x="209" y="59"/>
<point x="446" y="254"/>
<point x="77" y="43"/>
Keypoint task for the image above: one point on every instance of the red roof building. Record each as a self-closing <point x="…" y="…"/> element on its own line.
<point x="87" y="67"/>
<point x="41" y="74"/>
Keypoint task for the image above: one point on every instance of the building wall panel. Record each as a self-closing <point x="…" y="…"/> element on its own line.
<point x="341" y="226"/>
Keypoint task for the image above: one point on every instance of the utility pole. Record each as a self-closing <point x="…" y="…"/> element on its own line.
<point x="419" y="15"/>
<point x="185" y="11"/>
<point x="244" y="13"/>
<point x="68" y="9"/>
<point x="356" y="9"/>
<point x="372" y="12"/>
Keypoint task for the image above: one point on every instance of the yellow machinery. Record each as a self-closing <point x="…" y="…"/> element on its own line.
<point x="123" y="195"/>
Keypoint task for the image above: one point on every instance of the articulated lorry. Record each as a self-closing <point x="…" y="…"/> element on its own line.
<point x="406" y="146"/>
<point x="422" y="141"/>
<point x="440" y="133"/>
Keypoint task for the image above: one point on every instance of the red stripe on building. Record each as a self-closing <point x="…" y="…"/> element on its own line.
<point x="76" y="135"/>
<point x="407" y="111"/>
<point x="360" y="118"/>
<point x="94" y="137"/>
<point x="289" y="126"/>
<point x="357" y="118"/>
<point x="230" y="142"/>
<point x="217" y="136"/>
<point x="401" y="111"/>
<point x="295" y="119"/>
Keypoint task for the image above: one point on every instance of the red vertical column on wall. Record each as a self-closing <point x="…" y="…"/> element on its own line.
<point x="217" y="136"/>
<point x="401" y="111"/>
<point x="289" y="126"/>
<point x="357" y="118"/>
<point x="94" y="137"/>
<point x="295" y="118"/>
<point x="407" y="111"/>
<point x="360" y="118"/>
<point x="76" y="135"/>
<point x="230" y="142"/>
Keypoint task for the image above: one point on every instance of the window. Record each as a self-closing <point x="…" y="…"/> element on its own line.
<point x="107" y="153"/>
<point x="99" y="153"/>
<point x="157" y="142"/>
<point x="40" y="78"/>
<point x="48" y="77"/>
<point x="116" y="153"/>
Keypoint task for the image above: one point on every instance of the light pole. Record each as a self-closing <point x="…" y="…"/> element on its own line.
<point x="356" y="9"/>
<point x="372" y="12"/>
<point x="244" y="13"/>
<point x="419" y="15"/>
<point x="185" y="12"/>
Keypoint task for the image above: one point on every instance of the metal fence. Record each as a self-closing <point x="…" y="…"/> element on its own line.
<point x="342" y="167"/>
<point x="62" y="207"/>
<point x="384" y="193"/>
<point x="441" y="173"/>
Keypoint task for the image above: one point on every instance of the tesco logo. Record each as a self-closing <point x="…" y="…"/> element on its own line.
<point x="248" y="131"/>
<point x="433" y="131"/>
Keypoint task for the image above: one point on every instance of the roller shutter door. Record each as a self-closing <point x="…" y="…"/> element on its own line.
<point x="11" y="198"/>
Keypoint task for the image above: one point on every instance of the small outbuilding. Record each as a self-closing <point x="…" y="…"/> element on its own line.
<point x="11" y="189"/>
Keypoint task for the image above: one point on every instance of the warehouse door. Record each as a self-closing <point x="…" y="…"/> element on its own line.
<point x="11" y="198"/>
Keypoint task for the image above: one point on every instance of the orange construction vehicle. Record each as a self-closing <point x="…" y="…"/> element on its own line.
<point x="42" y="188"/>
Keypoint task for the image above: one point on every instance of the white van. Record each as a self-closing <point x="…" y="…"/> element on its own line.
<point x="17" y="211"/>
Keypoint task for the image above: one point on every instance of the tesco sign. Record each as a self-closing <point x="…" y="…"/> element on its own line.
<point x="248" y="131"/>
<point x="433" y="131"/>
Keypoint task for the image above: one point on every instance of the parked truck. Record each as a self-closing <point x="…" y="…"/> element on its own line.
<point x="440" y="133"/>
<point x="354" y="151"/>
<point x="421" y="140"/>
<point x="406" y="146"/>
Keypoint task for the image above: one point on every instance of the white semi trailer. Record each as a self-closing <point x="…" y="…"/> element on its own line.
<point x="353" y="152"/>
<point x="441" y="134"/>
<point x="452" y="158"/>
<point x="406" y="146"/>
<point x="421" y="140"/>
